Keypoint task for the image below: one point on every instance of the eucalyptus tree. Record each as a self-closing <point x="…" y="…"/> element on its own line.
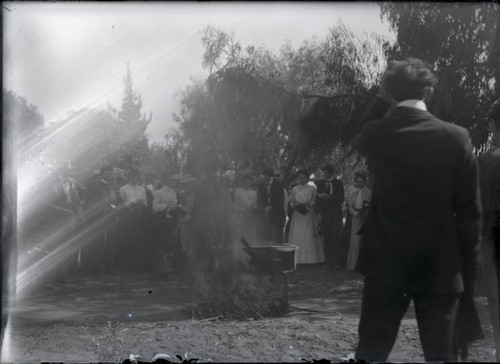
<point x="462" y="41"/>
<point x="287" y="109"/>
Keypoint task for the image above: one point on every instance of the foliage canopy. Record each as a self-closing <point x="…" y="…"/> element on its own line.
<point x="287" y="110"/>
<point x="462" y="42"/>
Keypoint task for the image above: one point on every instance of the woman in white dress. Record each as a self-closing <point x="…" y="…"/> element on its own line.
<point x="357" y="200"/>
<point x="245" y="203"/>
<point x="303" y="226"/>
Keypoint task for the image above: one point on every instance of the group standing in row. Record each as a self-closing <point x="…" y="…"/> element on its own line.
<point x="112" y="226"/>
<point x="307" y="215"/>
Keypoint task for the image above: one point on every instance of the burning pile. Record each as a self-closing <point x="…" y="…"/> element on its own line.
<point x="224" y="282"/>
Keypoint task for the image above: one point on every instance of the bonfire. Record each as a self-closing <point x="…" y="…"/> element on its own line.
<point x="226" y="285"/>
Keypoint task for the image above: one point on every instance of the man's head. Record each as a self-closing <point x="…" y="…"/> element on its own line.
<point x="157" y="183"/>
<point x="303" y="176"/>
<point x="134" y="176"/>
<point x="247" y="181"/>
<point x="328" y="171"/>
<point x="360" y="179"/>
<point x="408" y="79"/>
<point x="106" y="172"/>
<point x="494" y="117"/>
<point x="268" y="174"/>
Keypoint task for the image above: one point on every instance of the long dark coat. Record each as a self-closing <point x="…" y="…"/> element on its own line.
<point x="423" y="227"/>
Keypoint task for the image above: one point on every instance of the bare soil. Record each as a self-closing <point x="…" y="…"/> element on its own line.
<point x="108" y="318"/>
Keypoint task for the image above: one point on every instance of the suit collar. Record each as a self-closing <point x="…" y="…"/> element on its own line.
<point x="416" y="104"/>
<point x="409" y="112"/>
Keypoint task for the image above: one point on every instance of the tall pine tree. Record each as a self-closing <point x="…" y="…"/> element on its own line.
<point x="135" y="151"/>
<point x="132" y="101"/>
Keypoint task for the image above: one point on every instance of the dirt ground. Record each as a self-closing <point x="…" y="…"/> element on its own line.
<point x="108" y="318"/>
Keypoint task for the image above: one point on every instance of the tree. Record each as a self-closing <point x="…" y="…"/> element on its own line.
<point x="288" y="110"/>
<point x="89" y="137"/>
<point x="135" y="150"/>
<point x="132" y="102"/>
<point x="169" y="157"/>
<point x="282" y="110"/>
<point x="23" y="117"/>
<point x="461" y="42"/>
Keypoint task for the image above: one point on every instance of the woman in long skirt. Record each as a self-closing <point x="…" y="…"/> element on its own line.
<point x="303" y="232"/>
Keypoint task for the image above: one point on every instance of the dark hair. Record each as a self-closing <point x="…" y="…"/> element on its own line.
<point x="361" y="174"/>
<point x="133" y="173"/>
<point x="268" y="172"/>
<point x="494" y="113"/>
<point x="328" y="168"/>
<point x="302" y="171"/>
<point x="408" y="79"/>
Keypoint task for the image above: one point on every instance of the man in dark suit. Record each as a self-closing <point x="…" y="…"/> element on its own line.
<point x="66" y="206"/>
<point x="98" y="254"/>
<point x="271" y="198"/>
<point x="489" y="167"/>
<point x="330" y="193"/>
<point x="422" y="233"/>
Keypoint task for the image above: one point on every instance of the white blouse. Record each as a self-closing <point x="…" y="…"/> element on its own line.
<point x="303" y="195"/>
<point x="131" y="194"/>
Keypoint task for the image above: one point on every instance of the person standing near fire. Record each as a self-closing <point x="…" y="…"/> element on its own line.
<point x="330" y="196"/>
<point x="421" y="237"/>
<point x="67" y="206"/>
<point x="271" y="196"/>
<point x="303" y="226"/>
<point x="134" y="247"/>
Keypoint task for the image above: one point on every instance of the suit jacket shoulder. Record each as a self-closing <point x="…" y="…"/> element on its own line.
<point x="404" y="122"/>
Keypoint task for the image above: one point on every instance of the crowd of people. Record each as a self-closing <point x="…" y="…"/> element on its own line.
<point x="140" y="222"/>
<point x="309" y="213"/>
<point x="117" y="222"/>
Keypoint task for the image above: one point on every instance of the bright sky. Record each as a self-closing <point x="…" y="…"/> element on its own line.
<point x="67" y="55"/>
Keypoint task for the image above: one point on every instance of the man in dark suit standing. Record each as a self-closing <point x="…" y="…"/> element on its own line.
<point x="329" y="203"/>
<point x="422" y="233"/>
<point x="98" y="255"/>
<point x="271" y="199"/>
<point x="66" y="206"/>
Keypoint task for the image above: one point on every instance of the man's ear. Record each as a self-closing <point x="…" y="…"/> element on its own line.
<point x="428" y="92"/>
<point x="384" y="93"/>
